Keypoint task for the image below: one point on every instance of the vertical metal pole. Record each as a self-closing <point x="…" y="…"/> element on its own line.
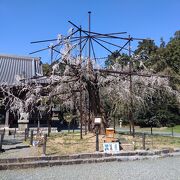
<point x="15" y="133"/>
<point x="52" y="54"/>
<point x="4" y="132"/>
<point x="89" y="35"/>
<point x="50" y="119"/>
<point x="73" y="125"/>
<point x="38" y="126"/>
<point x="7" y="119"/>
<point x="85" y="123"/>
<point x="89" y="118"/>
<point x="97" y="139"/>
<point x="49" y="130"/>
<point x="130" y="130"/>
<point x="143" y="140"/>
<point x="172" y="131"/>
<point x="49" y="125"/>
<point x="28" y="132"/>
<point x="114" y="123"/>
<point x="80" y="114"/>
<point x="44" y="144"/>
<point x="130" y="89"/>
<point x="80" y="54"/>
<point x="151" y="130"/>
<point x="86" y="113"/>
<point x="31" y="138"/>
<point x="74" y="109"/>
<point x="1" y="139"/>
<point x="68" y="127"/>
<point x="152" y="141"/>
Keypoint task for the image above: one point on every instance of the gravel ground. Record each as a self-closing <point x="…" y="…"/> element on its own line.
<point x="165" y="168"/>
<point x="14" y="147"/>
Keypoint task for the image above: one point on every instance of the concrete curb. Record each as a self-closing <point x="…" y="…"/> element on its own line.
<point x="34" y="162"/>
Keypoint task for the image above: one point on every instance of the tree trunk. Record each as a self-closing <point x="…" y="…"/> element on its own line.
<point x="95" y="108"/>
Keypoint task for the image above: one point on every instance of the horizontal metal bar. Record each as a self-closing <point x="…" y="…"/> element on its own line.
<point x="102" y="45"/>
<point x="40" y="50"/>
<point x="47" y="40"/>
<point x="107" y="34"/>
<point x="130" y="73"/>
<point x="112" y="44"/>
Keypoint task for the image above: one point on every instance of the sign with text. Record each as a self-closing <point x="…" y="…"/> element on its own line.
<point x="97" y="120"/>
<point x="111" y="147"/>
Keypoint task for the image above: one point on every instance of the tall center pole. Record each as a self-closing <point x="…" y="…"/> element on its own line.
<point x="80" y="56"/>
<point x="89" y="59"/>
<point x="89" y="35"/>
<point x="131" y="90"/>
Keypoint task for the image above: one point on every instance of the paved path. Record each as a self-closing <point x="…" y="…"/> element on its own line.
<point x="14" y="147"/>
<point x="166" y="168"/>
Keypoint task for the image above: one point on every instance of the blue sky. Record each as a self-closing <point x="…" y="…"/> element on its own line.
<point x="23" y="21"/>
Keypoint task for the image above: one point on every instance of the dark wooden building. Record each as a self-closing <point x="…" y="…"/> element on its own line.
<point x="12" y="69"/>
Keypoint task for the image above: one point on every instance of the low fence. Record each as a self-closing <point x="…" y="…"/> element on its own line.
<point x="70" y="143"/>
<point x="63" y="143"/>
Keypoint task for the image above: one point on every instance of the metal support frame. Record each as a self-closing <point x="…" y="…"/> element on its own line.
<point x="98" y="38"/>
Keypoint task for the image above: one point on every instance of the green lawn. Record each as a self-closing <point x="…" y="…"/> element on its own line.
<point x="176" y="129"/>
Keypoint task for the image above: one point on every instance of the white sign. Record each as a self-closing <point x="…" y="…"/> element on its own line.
<point x="97" y="120"/>
<point x="111" y="147"/>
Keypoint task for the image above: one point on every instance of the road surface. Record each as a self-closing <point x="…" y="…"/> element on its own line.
<point x="165" y="168"/>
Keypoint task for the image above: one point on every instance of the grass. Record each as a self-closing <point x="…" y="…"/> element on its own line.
<point x="176" y="129"/>
<point x="153" y="142"/>
<point x="65" y="144"/>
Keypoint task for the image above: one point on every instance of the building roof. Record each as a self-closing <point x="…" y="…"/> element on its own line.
<point x="13" y="68"/>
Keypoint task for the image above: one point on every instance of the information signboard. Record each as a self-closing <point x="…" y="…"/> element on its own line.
<point x="111" y="147"/>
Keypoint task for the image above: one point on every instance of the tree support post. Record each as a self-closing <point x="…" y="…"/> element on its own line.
<point x="15" y="133"/>
<point x="97" y="140"/>
<point x="44" y="144"/>
<point x="25" y="134"/>
<point x="143" y="140"/>
<point x="49" y="127"/>
<point x="114" y="124"/>
<point x="172" y="130"/>
<point x="49" y="131"/>
<point x="1" y="140"/>
<point x="151" y="130"/>
<point x="31" y="138"/>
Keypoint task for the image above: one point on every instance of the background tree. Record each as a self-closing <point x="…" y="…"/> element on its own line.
<point x="146" y="47"/>
<point x="155" y="59"/>
<point x="46" y="69"/>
